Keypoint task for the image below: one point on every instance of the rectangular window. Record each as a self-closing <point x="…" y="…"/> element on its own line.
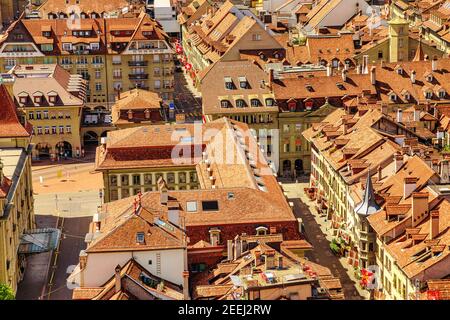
<point x="256" y="37"/>
<point x="210" y="205"/>
<point x="47" y="130"/>
<point x="124" y="180"/>
<point x="140" y="237"/>
<point x="98" y="86"/>
<point x="171" y="178"/>
<point x="191" y="206"/>
<point x="53" y="129"/>
<point x="98" y="74"/>
<point x="31" y="115"/>
<point x="45" y="114"/>
<point x="156" y="58"/>
<point x="39" y="130"/>
<point x="136" y="179"/>
<point x="182" y="177"/>
<point x="193" y="176"/>
<point x="125" y="193"/>
<point x="113" y="181"/>
<point x="68" y="129"/>
<point x="148" y="178"/>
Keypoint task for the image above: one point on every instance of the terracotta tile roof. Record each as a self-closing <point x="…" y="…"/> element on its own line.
<point x="5" y="185"/>
<point x="133" y="271"/>
<point x="248" y="177"/>
<point x="53" y="80"/>
<point x="214" y="90"/>
<point x="10" y="125"/>
<point x="86" y="6"/>
<point x="120" y="225"/>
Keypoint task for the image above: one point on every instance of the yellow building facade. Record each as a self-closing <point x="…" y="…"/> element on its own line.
<point x="16" y="192"/>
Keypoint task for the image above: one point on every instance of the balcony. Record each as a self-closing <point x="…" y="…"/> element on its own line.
<point x="137" y="63"/>
<point x="138" y="76"/>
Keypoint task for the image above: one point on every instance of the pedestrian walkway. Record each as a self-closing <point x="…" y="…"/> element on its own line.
<point x="318" y="233"/>
<point x="190" y="85"/>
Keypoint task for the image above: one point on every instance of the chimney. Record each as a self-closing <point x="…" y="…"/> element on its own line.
<point x="382" y="63"/>
<point x="399" y="115"/>
<point x="186" y="285"/>
<point x="373" y="78"/>
<point x="409" y="186"/>
<point x="117" y="279"/>
<point x="398" y="161"/>
<point x="173" y="212"/>
<point x="163" y="190"/>
<point x="230" y="250"/>
<point x="436" y="112"/>
<point x="280" y="263"/>
<point x="379" y="173"/>
<point x="329" y="70"/>
<point x="416" y="115"/>
<point x="270" y="259"/>
<point x="257" y="257"/>
<point x="271" y="77"/>
<point x="180" y="118"/>
<point x="237" y="247"/>
<point x="413" y="76"/>
<point x="434" y="224"/>
<point x="444" y="171"/>
<point x="419" y="207"/>
<point x="83" y="259"/>
<point x="384" y="108"/>
<point x="344" y="75"/>
<point x="434" y="63"/>
<point x="358" y="69"/>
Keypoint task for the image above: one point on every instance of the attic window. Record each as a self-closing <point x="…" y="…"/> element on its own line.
<point x="430" y="78"/>
<point x="393" y="97"/>
<point x="340" y="86"/>
<point x="269" y="102"/>
<point x="309" y="88"/>
<point x="23" y="99"/>
<point x="224" y="104"/>
<point x="442" y="94"/>
<point x="240" y="103"/>
<point x="210" y="205"/>
<point x="140" y="237"/>
<point x="191" y="206"/>
<point x="52" y="98"/>
<point x="243" y="82"/>
<point x="254" y="102"/>
<point x="230" y="196"/>
<point x="400" y="71"/>
<point x="228" y="83"/>
<point x="428" y="94"/>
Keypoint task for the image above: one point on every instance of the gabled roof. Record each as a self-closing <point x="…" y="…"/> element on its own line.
<point x="10" y="125"/>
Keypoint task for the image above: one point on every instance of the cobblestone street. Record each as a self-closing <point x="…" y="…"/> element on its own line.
<point x="315" y="231"/>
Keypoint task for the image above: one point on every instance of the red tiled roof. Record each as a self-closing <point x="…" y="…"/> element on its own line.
<point x="9" y="122"/>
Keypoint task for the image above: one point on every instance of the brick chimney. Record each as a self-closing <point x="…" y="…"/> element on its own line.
<point x="379" y="173"/>
<point x="434" y="224"/>
<point x="271" y="77"/>
<point x="186" y="285"/>
<point x="399" y="115"/>
<point x="434" y="64"/>
<point x="409" y="185"/>
<point x="344" y="75"/>
<point x="413" y="76"/>
<point x="398" y="161"/>
<point x="373" y="78"/>
<point x="270" y="259"/>
<point x="419" y="207"/>
<point x="117" y="279"/>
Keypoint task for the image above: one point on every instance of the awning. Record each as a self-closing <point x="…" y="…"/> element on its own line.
<point x="39" y="240"/>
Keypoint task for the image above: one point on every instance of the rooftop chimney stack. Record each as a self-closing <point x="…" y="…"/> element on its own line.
<point x="398" y="161"/>
<point x="399" y="115"/>
<point x="416" y="115"/>
<point x="419" y="207"/>
<point x="379" y="173"/>
<point x="434" y="225"/>
<point x="344" y="75"/>
<point x="434" y="64"/>
<point x="413" y="76"/>
<point x="329" y="70"/>
<point x="271" y="77"/>
<point x="373" y="78"/>
<point x="117" y="279"/>
<point x="409" y="186"/>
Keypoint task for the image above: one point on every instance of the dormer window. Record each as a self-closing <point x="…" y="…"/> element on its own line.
<point x="442" y="93"/>
<point x="52" y="97"/>
<point x="228" y="83"/>
<point x="428" y="94"/>
<point x="392" y="97"/>
<point x="243" y="82"/>
<point x="430" y="77"/>
<point x="240" y="103"/>
<point x="224" y="104"/>
<point x="140" y="237"/>
<point x="23" y="100"/>
<point x="400" y="70"/>
<point x="254" y="102"/>
<point x="270" y="102"/>
<point x="340" y="86"/>
<point x="309" y="88"/>
<point x="292" y="105"/>
<point x="130" y="114"/>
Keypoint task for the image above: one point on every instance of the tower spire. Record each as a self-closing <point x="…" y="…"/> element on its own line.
<point x="368" y="204"/>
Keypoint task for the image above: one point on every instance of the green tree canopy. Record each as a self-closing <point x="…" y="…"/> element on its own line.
<point x="6" y="292"/>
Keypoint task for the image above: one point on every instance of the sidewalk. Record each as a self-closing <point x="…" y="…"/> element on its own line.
<point x="295" y="190"/>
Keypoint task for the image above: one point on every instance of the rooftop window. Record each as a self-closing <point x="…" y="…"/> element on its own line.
<point x="210" y="205"/>
<point x="191" y="206"/>
<point x="140" y="237"/>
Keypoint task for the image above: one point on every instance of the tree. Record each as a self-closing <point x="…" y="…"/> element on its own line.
<point x="6" y="292"/>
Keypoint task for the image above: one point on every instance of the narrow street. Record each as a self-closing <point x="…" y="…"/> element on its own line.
<point x="185" y="100"/>
<point x="321" y="253"/>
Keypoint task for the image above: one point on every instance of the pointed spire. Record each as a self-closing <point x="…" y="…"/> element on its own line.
<point x="368" y="205"/>
<point x="420" y="55"/>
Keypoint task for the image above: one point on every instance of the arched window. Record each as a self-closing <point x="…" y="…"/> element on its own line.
<point x="254" y="102"/>
<point x="240" y="103"/>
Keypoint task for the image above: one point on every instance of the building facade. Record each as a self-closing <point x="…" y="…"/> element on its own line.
<point x="51" y="100"/>
<point x="16" y="191"/>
